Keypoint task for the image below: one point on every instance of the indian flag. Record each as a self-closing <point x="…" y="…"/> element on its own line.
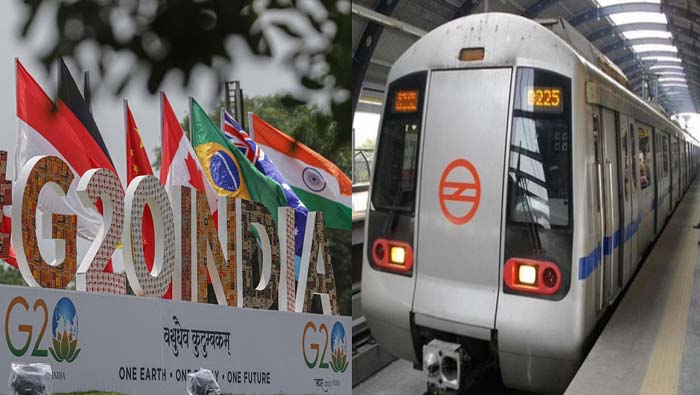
<point x="319" y="183"/>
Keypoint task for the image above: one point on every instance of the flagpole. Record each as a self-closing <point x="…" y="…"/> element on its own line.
<point x="86" y="90"/>
<point x="161" y="139"/>
<point x="17" y="157"/>
<point x="189" y="111"/>
<point x="250" y="125"/>
<point x="221" y="118"/>
<point x="125" y="105"/>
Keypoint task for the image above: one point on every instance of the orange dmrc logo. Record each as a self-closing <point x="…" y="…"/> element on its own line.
<point x="460" y="185"/>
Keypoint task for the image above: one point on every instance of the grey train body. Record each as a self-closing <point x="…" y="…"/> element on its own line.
<point x="580" y="181"/>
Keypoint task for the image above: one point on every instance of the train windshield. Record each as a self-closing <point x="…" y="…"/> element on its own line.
<point x="540" y="151"/>
<point x="394" y="184"/>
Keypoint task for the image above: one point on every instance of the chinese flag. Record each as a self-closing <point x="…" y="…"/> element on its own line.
<point x="137" y="164"/>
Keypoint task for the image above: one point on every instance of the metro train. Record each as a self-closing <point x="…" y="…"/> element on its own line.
<point x="516" y="188"/>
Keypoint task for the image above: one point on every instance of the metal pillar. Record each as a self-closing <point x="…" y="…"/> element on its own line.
<point x="363" y="54"/>
<point x="234" y="101"/>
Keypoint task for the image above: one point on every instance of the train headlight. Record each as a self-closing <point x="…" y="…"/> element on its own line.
<point x="392" y="255"/>
<point x="527" y="274"/>
<point x="398" y="255"/>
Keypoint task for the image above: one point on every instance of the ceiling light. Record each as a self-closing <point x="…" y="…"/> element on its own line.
<point x="624" y="18"/>
<point x="661" y="59"/>
<point x="632" y="34"/>
<point x="605" y="3"/>
<point x="666" y="67"/>
<point x="654" y="47"/>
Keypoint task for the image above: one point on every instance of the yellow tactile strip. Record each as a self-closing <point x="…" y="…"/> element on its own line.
<point x="664" y="366"/>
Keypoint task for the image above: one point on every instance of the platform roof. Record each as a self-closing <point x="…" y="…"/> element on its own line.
<point x="655" y="42"/>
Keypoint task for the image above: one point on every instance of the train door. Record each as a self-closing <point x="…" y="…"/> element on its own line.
<point x="625" y="172"/>
<point x="635" y="217"/>
<point x="598" y="216"/>
<point x="611" y="224"/>
<point x="675" y="171"/>
<point x="461" y="198"/>
<point x="681" y="161"/>
<point x="647" y="178"/>
<point x="668" y="170"/>
<point x="656" y="136"/>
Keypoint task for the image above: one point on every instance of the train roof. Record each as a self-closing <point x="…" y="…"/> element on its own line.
<point x="503" y="37"/>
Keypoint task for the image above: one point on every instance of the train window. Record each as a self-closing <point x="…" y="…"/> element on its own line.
<point x="633" y="149"/>
<point x="666" y="170"/>
<point x="674" y="163"/>
<point x="394" y="185"/>
<point x="645" y="160"/>
<point x="657" y="155"/>
<point x="540" y="158"/>
<point x="625" y="161"/>
<point x="539" y="222"/>
<point x="596" y="149"/>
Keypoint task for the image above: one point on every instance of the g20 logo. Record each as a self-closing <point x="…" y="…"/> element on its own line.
<point x="314" y="338"/>
<point x="64" y="327"/>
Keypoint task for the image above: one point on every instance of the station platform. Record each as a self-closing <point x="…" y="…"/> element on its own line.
<point x="651" y="344"/>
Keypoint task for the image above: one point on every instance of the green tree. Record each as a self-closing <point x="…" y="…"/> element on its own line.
<point x="368" y="144"/>
<point x="10" y="275"/>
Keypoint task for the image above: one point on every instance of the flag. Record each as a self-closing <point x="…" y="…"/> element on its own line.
<point x="137" y="164"/>
<point x="227" y="169"/>
<point x="179" y="164"/>
<point x="240" y="138"/>
<point x="6" y="227"/>
<point x="70" y="96"/>
<point x="235" y="133"/>
<point x="46" y="128"/>
<point x="320" y="184"/>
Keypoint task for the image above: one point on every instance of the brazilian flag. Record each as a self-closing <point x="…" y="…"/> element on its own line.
<point x="227" y="169"/>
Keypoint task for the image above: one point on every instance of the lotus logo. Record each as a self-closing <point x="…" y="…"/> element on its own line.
<point x="339" y="349"/>
<point x="65" y="332"/>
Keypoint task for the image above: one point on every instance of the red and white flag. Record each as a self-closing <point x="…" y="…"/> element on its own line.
<point x="179" y="163"/>
<point x="46" y="128"/>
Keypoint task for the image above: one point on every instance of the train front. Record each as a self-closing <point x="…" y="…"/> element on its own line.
<point x="468" y="250"/>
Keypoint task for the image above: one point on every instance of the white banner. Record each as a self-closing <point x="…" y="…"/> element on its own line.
<point x="137" y="345"/>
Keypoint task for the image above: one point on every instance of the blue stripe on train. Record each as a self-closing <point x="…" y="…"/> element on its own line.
<point x="590" y="262"/>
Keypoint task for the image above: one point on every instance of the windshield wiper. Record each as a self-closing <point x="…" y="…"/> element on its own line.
<point x="522" y="188"/>
<point x="391" y="216"/>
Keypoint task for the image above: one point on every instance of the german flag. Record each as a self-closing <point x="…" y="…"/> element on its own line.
<point x="70" y="96"/>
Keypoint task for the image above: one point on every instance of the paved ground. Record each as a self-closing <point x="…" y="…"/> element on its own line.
<point x="399" y="378"/>
<point x="652" y="343"/>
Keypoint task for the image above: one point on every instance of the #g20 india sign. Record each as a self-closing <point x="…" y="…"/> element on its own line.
<point x="189" y="248"/>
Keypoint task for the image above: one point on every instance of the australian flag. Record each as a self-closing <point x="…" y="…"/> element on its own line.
<point x="235" y="133"/>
